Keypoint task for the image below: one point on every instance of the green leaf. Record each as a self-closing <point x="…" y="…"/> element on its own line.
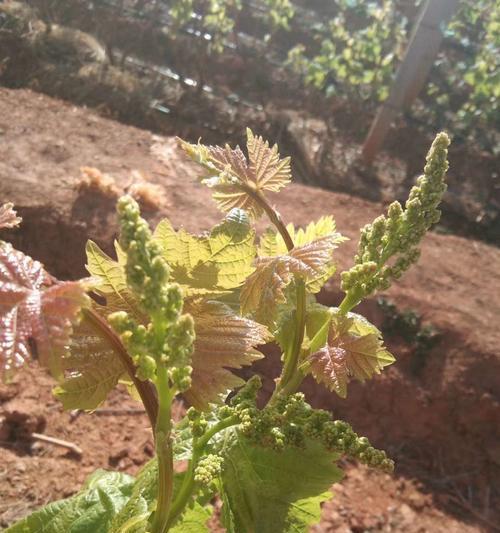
<point x="318" y="321"/>
<point x="353" y="349"/>
<point x="227" y="517"/>
<point x="135" y="515"/>
<point x="209" y="264"/>
<point x="183" y="440"/>
<point x="194" y="520"/>
<point x="286" y="322"/>
<point x="91" y="510"/>
<point x="269" y="491"/>
<point x="91" y="369"/>
<point x="183" y="435"/>
<point x="112" y="281"/>
<point x="110" y="273"/>
<point x="285" y="331"/>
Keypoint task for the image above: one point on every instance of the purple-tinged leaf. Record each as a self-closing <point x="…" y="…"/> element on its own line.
<point x="35" y="309"/>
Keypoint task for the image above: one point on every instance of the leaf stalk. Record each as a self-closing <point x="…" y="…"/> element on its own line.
<point x="145" y="389"/>
<point x="291" y="362"/>
<point x="271" y="213"/>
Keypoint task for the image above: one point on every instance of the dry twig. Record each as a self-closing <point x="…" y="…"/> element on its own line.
<point x="58" y="442"/>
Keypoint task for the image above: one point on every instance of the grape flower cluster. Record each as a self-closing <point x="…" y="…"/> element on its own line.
<point x="398" y="234"/>
<point x="291" y="421"/>
<point x="208" y="469"/>
<point x="168" y="338"/>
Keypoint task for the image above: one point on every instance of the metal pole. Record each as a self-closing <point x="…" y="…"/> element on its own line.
<point x="412" y="73"/>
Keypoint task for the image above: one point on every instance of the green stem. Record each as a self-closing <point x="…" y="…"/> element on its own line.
<point x="186" y="490"/>
<point x="293" y="383"/>
<point x="351" y="300"/>
<point x="164" y="453"/>
<point x="216" y="428"/>
<point x="291" y="360"/>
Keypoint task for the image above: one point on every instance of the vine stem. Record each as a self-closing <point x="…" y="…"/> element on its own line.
<point x="145" y="389"/>
<point x="292" y="360"/>
<point x="164" y="453"/>
<point x="293" y="383"/>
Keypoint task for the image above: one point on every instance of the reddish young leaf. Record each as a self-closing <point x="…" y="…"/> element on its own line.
<point x="263" y="290"/>
<point x="232" y="177"/>
<point x="223" y="340"/>
<point x="34" y="307"/>
<point x="354" y="349"/>
<point x="52" y="331"/>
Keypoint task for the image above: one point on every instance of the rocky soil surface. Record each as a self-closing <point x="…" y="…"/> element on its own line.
<point x="441" y="424"/>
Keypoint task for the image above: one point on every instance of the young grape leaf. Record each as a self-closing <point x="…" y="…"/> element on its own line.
<point x="91" y="510"/>
<point x="269" y="491"/>
<point x="91" y="369"/>
<point x="226" y="516"/>
<point x="60" y="312"/>
<point x="272" y="244"/>
<point x="183" y="434"/>
<point x="223" y="340"/>
<point x="353" y="349"/>
<point x="236" y="180"/>
<point x="285" y="332"/>
<point x="194" y="520"/>
<point x="264" y="289"/>
<point x="8" y="217"/>
<point x="318" y="319"/>
<point x="134" y="515"/>
<point x="209" y="264"/>
<point x="286" y="323"/>
<point x="109" y="272"/>
<point x="267" y="170"/>
<point x="34" y="307"/>
<point x="112" y="281"/>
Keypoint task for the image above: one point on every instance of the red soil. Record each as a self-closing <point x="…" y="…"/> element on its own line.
<point x="442" y="426"/>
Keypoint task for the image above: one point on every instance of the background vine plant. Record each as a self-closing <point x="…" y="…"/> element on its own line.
<point x="178" y="312"/>
<point x="355" y="53"/>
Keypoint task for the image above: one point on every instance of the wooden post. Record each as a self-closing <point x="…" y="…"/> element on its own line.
<point x="412" y="73"/>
